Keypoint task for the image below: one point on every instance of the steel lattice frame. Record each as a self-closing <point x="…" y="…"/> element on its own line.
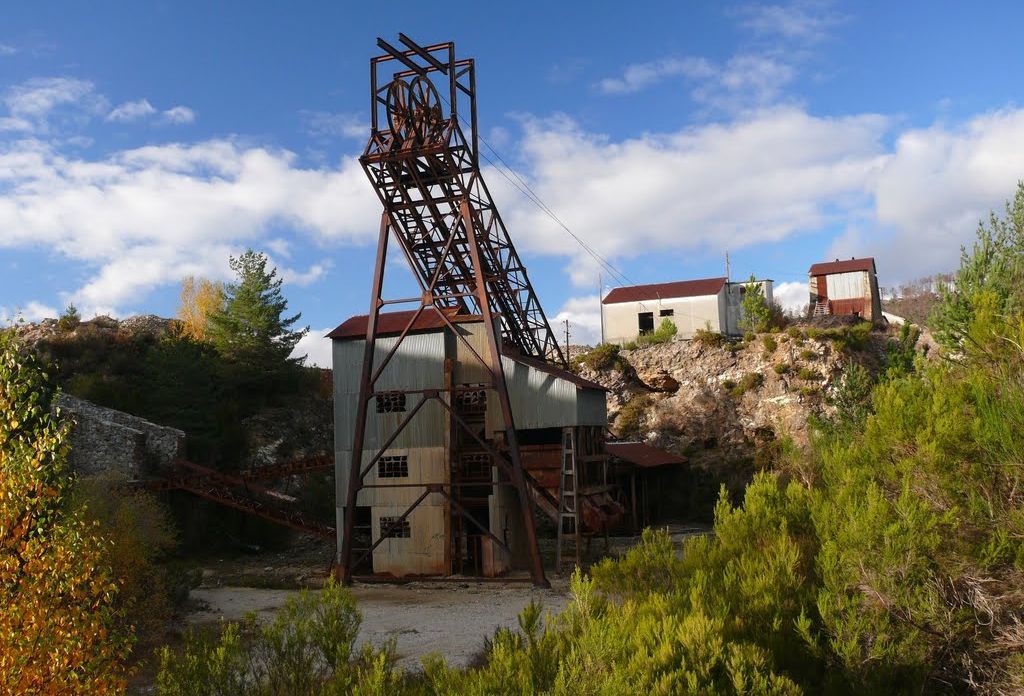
<point x="426" y="173"/>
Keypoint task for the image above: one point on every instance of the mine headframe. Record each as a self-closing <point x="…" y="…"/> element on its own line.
<point x="425" y="170"/>
<point x="426" y="173"/>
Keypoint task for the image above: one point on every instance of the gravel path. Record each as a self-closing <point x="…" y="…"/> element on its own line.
<point x="447" y="618"/>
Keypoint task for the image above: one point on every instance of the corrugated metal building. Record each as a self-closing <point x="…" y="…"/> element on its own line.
<point x="433" y="449"/>
<point x="706" y="303"/>
<point x="845" y="287"/>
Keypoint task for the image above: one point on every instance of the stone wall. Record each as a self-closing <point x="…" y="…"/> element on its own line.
<point x="105" y="441"/>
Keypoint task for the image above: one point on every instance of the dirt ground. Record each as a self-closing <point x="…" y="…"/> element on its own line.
<point x="452" y="619"/>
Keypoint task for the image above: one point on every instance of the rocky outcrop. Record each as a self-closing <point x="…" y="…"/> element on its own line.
<point x="719" y="401"/>
<point x="114" y="443"/>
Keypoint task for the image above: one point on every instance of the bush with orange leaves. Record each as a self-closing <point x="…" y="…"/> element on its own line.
<point x="57" y="596"/>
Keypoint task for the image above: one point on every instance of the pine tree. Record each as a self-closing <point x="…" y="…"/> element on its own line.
<point x="755" y="308"/>
<point x="251" y="327"/>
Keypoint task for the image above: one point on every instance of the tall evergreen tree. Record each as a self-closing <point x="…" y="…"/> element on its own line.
<point x="754" y="306"/>
<point x="251" y="327"/>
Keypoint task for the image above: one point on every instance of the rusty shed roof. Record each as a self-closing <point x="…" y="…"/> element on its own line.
<point x="655" y="291"/>
<point x="641" y="455"/>
<point x="555" y="371"/>
<point x="392" y="323"/>
<point x="844" y="266"/>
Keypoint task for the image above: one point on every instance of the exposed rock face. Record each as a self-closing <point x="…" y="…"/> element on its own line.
<point x="712" y="399"/>
<point x="105" y="441"/>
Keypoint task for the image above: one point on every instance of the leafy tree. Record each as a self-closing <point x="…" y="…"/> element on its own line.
<point x="755" y="311"/>
<point x="200" y="298"/>
<point x="991" y="274"/>
<point x="251" y="327"/>
<point x="58" y="630"/>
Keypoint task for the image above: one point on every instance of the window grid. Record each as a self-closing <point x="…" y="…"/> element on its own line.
<point x="393" y="466"/>
<point x="473" y="401"/>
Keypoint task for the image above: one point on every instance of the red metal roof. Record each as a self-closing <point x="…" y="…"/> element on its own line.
<point x="643" y="456"/>
<point x="393" y="323"/>
<point x="845" y="266"/>
<point x="665" y="291"/>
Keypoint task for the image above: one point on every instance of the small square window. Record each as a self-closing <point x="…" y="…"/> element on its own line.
<point x="395" y="528"/>
<point x="390" y="402"/>
<point x="475" y="465"/>
<point x="393" y="466"/>
<point x="667" y="313"/>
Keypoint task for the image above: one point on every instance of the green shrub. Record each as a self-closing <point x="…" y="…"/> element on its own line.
<point x="604" y="356"/>
<point x="630" y="418"/>
<point x="782" y="368"/>
<point x="734" y="347"/>
<point x="749" y="382"/>
<point x="728" y="384"/>
<point x="795" y="333"/>
<point x="770" y="344"/>
<point x="808" y="354"/>
<point x="307" y="649"/>
<point x="709" y="338"/>
<point x="809" y="374"/>
<point x="750" y="337"/>
<point x="665" y="332"/>
<point x="811" y="390"/>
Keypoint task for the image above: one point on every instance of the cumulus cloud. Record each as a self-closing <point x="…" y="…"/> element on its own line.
<point x="33" y="311"/>
<point x="151" y="215"/>
<point x="7" y="50"/>
<point x="642" y="75"/>
<point x="315" y="347"/>
<point x="757" y="179"/>
<point x="584" y="315"/>
<point x="308" y="277"/>
<point x="792" y="295"/>
<point x="179" y="114"/>
<point x="935" y="187"/>
<point x="131" y="111"/>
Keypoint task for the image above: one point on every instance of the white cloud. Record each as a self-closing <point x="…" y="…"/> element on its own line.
<point x="584" y="315"/>
<point x="935" y="187"/>
<point x="131" y="111"/>
<point x="33" y="311"/>
<point x="641" y="75"/>
<point x="808" y="22"/>
<point x="31" y="104"/>
<point x="149" y="216"/>
<point x="179" y="114"/>
<point x="315" y="347"/>
<point x="324" y="124"/>
<point x="745" y="81"/>
<point x="757" y="179"/>
<point x="7" y="50"/>
<point x="792" y="295"/>
<point x="307" y="277"/>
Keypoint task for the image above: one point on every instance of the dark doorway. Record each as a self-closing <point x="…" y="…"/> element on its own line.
<point x="645" y="321"/>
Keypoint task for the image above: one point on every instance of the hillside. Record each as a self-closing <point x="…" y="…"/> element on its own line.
<point x="731" y="408"/>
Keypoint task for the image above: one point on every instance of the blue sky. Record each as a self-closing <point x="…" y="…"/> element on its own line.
<point x="141" y="142"/>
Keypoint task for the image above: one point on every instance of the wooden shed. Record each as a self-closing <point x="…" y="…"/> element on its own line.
<point x="845" y="287"/>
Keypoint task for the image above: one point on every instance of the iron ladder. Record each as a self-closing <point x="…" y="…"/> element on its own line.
<point x="569" y="531"/>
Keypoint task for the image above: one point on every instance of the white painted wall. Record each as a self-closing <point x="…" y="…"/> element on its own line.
<point x="847" y="286"/>
<point x="621" y="322"/>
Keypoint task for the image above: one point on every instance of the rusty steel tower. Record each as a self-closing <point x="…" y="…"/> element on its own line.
<point x="426" y="172"/>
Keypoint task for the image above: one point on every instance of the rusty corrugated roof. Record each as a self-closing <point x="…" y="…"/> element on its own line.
<point x="555" y="371"/>
<point x="392" y="323"/>
<point x="665" y="291"/>
<point x="641" y="455"/>
<point x="845" y="266"/>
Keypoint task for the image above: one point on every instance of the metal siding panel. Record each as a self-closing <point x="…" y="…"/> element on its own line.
<point x="846" y="286"/>
<point x="539" y="400"/>
<point x="591" y="407"/>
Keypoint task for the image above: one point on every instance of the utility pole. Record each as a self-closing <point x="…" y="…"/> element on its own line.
<point x="567" y="356"/>
<point x="600" y="303"/>
<point x="728" y="277"/>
